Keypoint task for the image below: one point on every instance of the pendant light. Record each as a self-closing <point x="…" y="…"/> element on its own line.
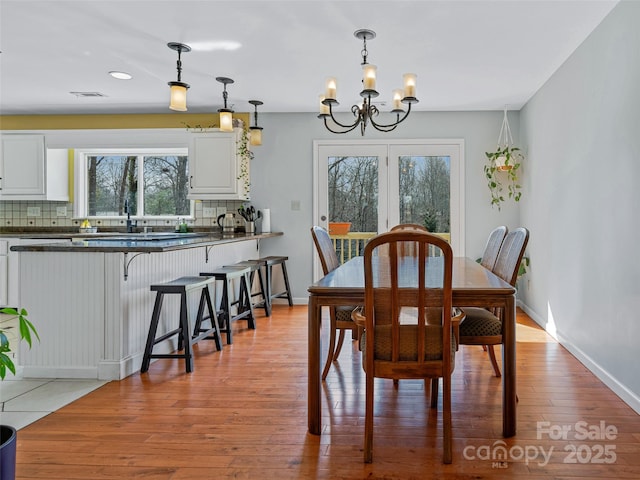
<point x="256" y="131"/>
<point x="226" y="117"/>
<point x="178" y="100"/>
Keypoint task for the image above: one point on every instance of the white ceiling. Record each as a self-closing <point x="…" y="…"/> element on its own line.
<point x="468" y="55"/>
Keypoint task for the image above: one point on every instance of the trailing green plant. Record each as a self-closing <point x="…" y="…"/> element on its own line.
<point x="26" y="330"/>
<point x="246" y="156"/>
<point x="502" y="171"/>
<point x="524" y="263"/>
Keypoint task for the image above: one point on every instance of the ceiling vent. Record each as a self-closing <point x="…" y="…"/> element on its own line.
<point x="87" y="94"/>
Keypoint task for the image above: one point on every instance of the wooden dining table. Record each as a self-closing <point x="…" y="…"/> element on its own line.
<point x="472" y="286"/>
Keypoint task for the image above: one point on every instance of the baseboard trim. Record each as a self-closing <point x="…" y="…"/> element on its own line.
<point x="626" y="395"/>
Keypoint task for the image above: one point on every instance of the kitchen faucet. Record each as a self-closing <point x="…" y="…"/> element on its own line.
<point x="130" y="224"/>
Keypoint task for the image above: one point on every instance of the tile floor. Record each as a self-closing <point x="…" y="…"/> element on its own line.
<point x="25" y="400"/>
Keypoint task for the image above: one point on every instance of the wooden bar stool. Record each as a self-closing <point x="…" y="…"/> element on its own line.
<point x="256" y="267"/>
<point x="182" y="286"/>
<point x="244" y="309"/>
<point x="269" y="264"/>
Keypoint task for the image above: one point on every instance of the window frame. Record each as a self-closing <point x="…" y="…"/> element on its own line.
<point x="453" y="147"/>
<point x="81" y="199"/>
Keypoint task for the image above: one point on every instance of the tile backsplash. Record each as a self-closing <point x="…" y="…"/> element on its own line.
<point x="32" y="214"/>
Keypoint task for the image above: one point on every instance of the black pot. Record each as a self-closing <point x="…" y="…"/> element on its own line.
<point x="7" y="452"/>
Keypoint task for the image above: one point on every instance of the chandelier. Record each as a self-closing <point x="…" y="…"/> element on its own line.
<point x="367" y="112"/>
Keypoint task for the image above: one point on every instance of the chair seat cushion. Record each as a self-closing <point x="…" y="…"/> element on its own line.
<point x="480" y="323"/>
<point x="343" y="314"/>
<point x="408" y="344"/>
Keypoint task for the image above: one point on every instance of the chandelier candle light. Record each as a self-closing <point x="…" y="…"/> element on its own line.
<point x="178" y="100"/>
<point x="366" y="113"/>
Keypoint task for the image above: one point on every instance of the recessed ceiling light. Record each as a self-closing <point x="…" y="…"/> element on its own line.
<point x="120" y="75"/>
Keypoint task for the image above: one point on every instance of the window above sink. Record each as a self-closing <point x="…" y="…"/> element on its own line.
<point x="154" y="181"/>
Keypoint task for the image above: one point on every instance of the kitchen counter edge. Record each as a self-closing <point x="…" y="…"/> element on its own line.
<point x="140" y="245"/>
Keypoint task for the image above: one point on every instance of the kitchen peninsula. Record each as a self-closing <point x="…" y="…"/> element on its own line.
<point x="90" y="297"/>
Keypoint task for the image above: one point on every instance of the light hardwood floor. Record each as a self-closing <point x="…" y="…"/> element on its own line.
<point x="242" y="414"/>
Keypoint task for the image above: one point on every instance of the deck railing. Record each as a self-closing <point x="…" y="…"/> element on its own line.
<point x="352" y="244"/>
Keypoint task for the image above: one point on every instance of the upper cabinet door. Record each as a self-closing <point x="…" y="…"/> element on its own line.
<point x="214" y="166"/>
<point x="22" y="167"/>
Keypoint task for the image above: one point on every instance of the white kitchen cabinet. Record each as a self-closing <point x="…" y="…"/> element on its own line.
<point x="9" y="268"/>
<point x="29" y="172"/>
<point x="22" y="166"/>
<point x="215" y="167"/>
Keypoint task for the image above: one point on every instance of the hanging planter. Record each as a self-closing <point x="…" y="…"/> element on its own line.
<point x="501" y="171"/>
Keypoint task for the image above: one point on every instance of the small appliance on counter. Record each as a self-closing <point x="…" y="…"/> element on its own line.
<point x="227" y="223"/>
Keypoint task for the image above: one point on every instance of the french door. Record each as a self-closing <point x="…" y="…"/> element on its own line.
<point x="374" y="185"/>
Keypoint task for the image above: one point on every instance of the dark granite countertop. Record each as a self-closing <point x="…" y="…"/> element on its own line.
<point x="123" y="242"/>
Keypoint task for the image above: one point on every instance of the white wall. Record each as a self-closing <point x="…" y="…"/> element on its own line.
<point x="582" y="135"/>
<point x="282" y="171"/>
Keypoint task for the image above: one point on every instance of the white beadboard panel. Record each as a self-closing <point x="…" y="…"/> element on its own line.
<point x="99" y="321"/>
<point x="64" y="295"/>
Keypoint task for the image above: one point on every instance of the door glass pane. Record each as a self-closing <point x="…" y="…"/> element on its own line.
<point x="425" y="191"/>
<point x="353" y="200"/>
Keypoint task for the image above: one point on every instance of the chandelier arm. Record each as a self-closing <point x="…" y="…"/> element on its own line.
<point x="381" y="126"/>
<point x="350" y="127"/>
<point x="336" y="131"/>
<point x="384" y="128"/>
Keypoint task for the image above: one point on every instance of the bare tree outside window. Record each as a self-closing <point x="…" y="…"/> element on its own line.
<point x="424" y="192"/>
<point x="166" y="185"/>
<point x="112" y="179"/>
<point x="353" y="192"/>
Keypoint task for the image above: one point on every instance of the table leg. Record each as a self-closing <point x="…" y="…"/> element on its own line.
<point x="314" y="400"/>
<point x="509" y="368"/>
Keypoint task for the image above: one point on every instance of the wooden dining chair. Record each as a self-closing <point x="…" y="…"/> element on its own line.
<point x="409" y="226"/>
<point x="483" y="326"/>
<point x="340" y="317"/>
<point x="398" y="341"/>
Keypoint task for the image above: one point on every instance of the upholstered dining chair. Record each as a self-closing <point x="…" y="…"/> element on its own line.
<point x="483" y="326"/>
<point x="340" y="317"/>
<point x="398" y="341"/>
<point x="488" y="261"/>
<point x="491" y="249"/>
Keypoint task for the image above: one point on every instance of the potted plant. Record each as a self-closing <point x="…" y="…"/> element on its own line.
<point x="502" y="168"/>
<point x="8" y="433"/>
